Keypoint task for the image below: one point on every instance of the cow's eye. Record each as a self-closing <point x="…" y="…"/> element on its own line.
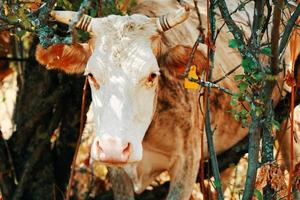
<point x="94" y="81"/>
<point x="151" y="79"/>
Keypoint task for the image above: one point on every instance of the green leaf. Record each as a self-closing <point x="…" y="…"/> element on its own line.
<point x="238" y="77"/>
<point x="26" y="23"/>
<point x="217" y="183"/>
<point x="244" y="112"/>
<point x="233" y="102"/>
<point x="12" y="18"/>
<point x="258" y="194"/>
<point x="258" y="76"/>
<point x="276" y="124"/>
<point x="244" y="122"/>
<point x="266" y="51"/>
<point x="271" y="77"/>
<point x="248" y="65"/>
<point x="20" y="33"/>
<point x="245" y="65"/>
<point x="237" y="117"/>
<point x="258" y="111"/>
<point x="65" y="4"/>
<point x="252" y="106"/>
<point x="233" y="43"/>
<point x="93" y="12"/>
<point x="243" y="86"/>
<point x="232" y="111"/>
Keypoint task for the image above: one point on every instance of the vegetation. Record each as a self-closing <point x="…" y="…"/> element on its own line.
<point x="35" y="162"/>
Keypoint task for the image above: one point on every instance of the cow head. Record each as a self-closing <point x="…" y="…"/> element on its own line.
<point x="120" y="61"/>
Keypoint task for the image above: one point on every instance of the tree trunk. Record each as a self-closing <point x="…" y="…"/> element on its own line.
<point x="47" y="102"/>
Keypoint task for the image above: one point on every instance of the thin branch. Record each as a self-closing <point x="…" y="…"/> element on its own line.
<point x="240" y="6"/>
<point x="257" y="18"/>
<point x="254" y="137"/>
<point x="211" y="27"/>
<point x="212" y="85"/>
<point x="192" y="55"/>
<point x="275" y="39"/>
<point x="265" y="25"/>
<point x="288" y="29"/>
<point x="70" y="184"/>
<point x="201" y="29"/>
<point x="201" y="39"/>
<point x="44" y="11"/>
<point x="291" y="170"/>
<point x="83" y="8"/>
<point x="236" y="32"/>
<point x="227" y="74"/>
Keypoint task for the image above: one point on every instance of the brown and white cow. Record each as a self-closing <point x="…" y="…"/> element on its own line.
<point x="146" y="121"/>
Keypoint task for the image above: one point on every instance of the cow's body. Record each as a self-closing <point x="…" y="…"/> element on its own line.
<point x="172" y="139"/>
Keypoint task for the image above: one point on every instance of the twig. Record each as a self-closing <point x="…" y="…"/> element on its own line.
<point x="254" y="137"/>
<point x="209" y="84"/>
<point x="258" y="7"/>
<point x="201" y="29"/>
<point x="236" y="32"/>
<point x="288" y="29"/>
<point x="291" y="170"/>
<point x="68" y="192"/>
<point x="192" y="55"/>
<point x="227" y="74"/>
<point x="44" y="11"/>
<point x="202" y="166"/>
<point x="275" y="39"/>
<point x="210" y="63"/>
<point x="83" y="7"/>
<point x="265" y="25"/>
<point x="240" y="6"/>
<point x="99" y="11"/>
<point x="201" y="38"/>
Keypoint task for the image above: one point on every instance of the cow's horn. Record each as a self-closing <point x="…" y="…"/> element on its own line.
<point x="168" y="21"/>
<point x="66" y="17"/>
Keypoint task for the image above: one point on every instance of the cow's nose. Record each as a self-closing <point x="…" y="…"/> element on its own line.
<point x="112" y="151"/>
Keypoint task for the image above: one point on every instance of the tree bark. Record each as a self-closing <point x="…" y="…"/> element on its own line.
<point x="46" y="101"/>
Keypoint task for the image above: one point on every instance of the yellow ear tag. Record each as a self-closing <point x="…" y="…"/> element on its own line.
<point x="192" y="74"/>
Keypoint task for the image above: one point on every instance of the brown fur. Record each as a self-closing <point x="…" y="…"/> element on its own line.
<point x="172" y="141"/>
<point x="69" y="58"/>
<point x="178" y="56"/>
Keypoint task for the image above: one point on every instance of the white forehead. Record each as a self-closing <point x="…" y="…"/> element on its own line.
<point x="123" y="43"/>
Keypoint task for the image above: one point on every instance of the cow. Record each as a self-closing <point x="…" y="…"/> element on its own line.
<point x="146" y="121"/>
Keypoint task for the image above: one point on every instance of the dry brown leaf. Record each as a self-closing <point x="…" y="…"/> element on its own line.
<point x="289" y="78"/>
<point x="262" y="177"/>
<point x="272" y="173"/>
<point x="277" y="177"/>
<point x="297" y="176"/>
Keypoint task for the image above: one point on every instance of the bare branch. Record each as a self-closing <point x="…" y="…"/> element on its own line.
<point x="288" y="29"/>
<point x="211" y="85"/>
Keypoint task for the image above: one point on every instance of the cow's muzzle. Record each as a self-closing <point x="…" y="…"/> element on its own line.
<point x="110" y="150"/>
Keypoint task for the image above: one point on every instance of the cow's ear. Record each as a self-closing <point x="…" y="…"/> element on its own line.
<point x="68" y="58"/>
<point x="179" y="55"/>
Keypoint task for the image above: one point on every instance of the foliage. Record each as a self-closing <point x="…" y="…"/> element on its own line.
<point x="33" y="17"/>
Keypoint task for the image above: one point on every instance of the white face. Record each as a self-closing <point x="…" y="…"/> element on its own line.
<point x="125" y="69"/>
